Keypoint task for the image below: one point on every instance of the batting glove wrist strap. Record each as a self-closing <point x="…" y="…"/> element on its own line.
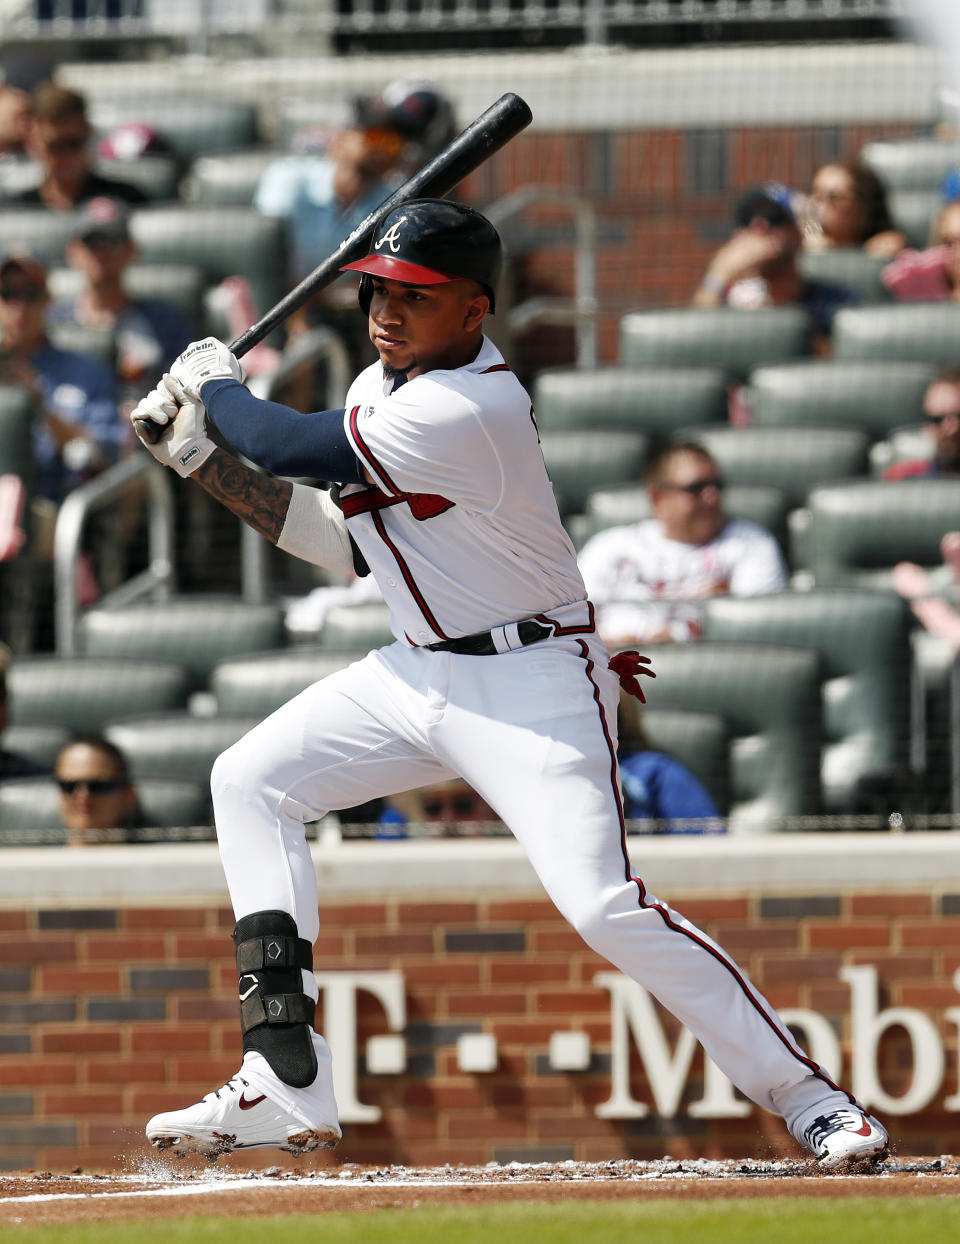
<point x="208" y="359"/>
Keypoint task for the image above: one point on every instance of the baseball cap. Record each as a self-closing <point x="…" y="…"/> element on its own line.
<point x="102" y="218"/>
<point x="769" y="202"/>
<point x="409" y="108"/>
<point x="27" y="268"/>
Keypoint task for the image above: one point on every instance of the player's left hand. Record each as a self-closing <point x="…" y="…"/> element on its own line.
<point x="184" y="445"/>
<point x="207" y="359"/>
<point x="627" y="665"/>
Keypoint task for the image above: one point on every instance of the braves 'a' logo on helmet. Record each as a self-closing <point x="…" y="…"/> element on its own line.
<point x="392" y="236"/>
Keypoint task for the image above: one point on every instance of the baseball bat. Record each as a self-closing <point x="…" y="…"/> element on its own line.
<point x="492" y="130"/>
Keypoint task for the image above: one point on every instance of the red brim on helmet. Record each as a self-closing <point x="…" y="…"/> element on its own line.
<point x="399" y="270"/>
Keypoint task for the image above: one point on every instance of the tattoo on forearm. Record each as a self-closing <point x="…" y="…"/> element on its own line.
<point x="260" y="500"/>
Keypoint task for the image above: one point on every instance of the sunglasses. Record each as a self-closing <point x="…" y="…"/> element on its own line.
<point x="697" y="488"/>
<point x="72" y="142"/>
<point x="12" y="294"/>
<point x="95" y="786"/>
<point x="936" y="420"/>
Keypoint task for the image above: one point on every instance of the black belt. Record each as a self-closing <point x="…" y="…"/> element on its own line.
<point x="482" y="645"/>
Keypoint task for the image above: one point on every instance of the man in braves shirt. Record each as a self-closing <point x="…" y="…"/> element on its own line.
<point x="496" y="676"/>
<point x="647" y="579"/>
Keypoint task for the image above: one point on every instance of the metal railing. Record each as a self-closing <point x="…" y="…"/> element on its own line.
<point x="581" y="311"/>
<point x="72" y="521"/>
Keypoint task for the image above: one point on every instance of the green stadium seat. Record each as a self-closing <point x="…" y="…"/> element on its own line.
<point x="220" y="241"/>
<point x="231" y="178"/>
<point x="911" y="163"/>
<point x="356" y="628"/>
<point x="158" y="176"/>
<point x="255" y="686"/>
<point x="197" y="631"/>
<point x="862" y="639"/>
<point x="612" y="507"/>
<point x="174" y="745"/>
<point x="700" y="741"/>
<point x="36" y="231"/>
<point x="579" y="462"/>
<point x="769" y="695"/>
<point x="860" y="529"/>
<point x="190" y="125"/>
<point x="736" y="341"/>
<point x="84" y="693"/>
<point x="793" y="459"/>
<point x="655" y="401"/>
<point x="922" y="332"/>
<point x="877" y="395"/>
<point x="33" y="804"/>
<point x="851" y="266"/>
<point x="913" y="213"/>
<point x="39" y="743"/>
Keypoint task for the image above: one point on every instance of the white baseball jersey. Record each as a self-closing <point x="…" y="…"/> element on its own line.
<point x="643" y="583"/>
<point x="461" y="530"/>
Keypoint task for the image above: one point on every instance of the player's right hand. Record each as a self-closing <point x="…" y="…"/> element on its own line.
<point x="184" y="445"/>
<point x="208" y="359"/>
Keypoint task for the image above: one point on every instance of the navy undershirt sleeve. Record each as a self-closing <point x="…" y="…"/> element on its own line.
<point x="280" y="439"/>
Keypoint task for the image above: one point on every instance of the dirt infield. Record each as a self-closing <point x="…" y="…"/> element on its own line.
<point x="159" y="1189"/>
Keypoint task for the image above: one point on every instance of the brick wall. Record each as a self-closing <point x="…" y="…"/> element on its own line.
<point x="109" y="1014"/>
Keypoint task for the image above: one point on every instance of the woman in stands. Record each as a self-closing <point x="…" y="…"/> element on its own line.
<point x="931" y="275"/>
<point x="848" y="207"/>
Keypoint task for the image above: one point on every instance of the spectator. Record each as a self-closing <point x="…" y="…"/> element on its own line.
<point x="648" y="578"/>
<point x="60" y="139"/>
<point x="941" y="413"/>
<point x="927" y="592"/>
<point x="656" y="786"/>
<point x="12" y="764"/>
<point x="97" y="794"/>
<point x="931" y="275"/>
<point x="757" y="266"/>
<point x="149" y="333"/>
<point x="78" y="430"/>
<point x="848" y="207"/>
<point x="20" y="77"/>
<point x="448" y="809"/>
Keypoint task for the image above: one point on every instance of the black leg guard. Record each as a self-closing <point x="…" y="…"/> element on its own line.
<point x="275" y="1014"/>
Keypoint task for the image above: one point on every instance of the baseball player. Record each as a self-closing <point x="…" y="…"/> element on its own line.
<point x="496" y="675"/>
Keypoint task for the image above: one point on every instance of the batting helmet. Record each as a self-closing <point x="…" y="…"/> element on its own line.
<point x="431" y="242"/>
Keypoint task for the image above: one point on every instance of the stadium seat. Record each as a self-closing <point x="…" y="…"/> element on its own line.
<point x="179" y="284"/>
<point x="174" y="745"/>
<point x="914" y="212"/>
<point x="190" y="125"/>
<point x="792" y="459"/>
<point x="924" y="332"/>
<point x="33" y="804"/>
<point x="655" y="401"/>
<point x="220" y="241"/>
<point x="37" y="231"/>
<point x="736" y="341"/>
<point x="578" y="462"/>
<point x="851" y="266"/>
<point x="860" y="529"/>
<point x="197" y="631"/>
<point x="255" y="686"/>
<point x="16" y="432"/>
<point x="862" y="639"/>
<point x="769" y="695"/>
<point x="611" y="507"/>
<point x="878" y="395"/>
<point x="39" y="743"/>
<point x="356" y="628"/>
<point x="97" y="343"/>
<point x="84" y="693"/>
<point x="700" y="741"/>
<point x="911" y="163"/>
<point x="157" y="175"/>
<point x="230" y="179"/>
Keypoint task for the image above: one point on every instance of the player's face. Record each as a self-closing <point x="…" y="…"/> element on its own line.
<point x="420" y="328"/>
<point x="689" y="500"/>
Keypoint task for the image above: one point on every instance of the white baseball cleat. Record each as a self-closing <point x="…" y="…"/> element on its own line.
<point x="845" y="1138"/>
<point x="237" y="1116"/>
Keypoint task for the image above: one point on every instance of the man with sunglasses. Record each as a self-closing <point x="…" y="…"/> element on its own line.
<point x="941" y="414"/>
<point x="647" y="579"/>
<point x="59" y="140"/>
<point x="97" y="794"/>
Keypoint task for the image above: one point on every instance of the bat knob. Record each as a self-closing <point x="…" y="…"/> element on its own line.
<point x="148" y="431"/>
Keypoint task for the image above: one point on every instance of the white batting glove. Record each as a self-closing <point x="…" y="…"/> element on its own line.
<point x="183" y="445"/>
<point x="205" y="360"/>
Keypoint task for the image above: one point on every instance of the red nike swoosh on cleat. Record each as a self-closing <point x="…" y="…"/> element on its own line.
<point x="249" y="1105"/>
<point x="857" y="1131"/>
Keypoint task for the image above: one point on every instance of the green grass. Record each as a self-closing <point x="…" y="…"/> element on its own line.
<point x="787" y="1220"/>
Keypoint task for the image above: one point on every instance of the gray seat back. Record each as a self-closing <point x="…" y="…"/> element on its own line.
<point x="578" y="462"/>
<point x="736" y="341"/>
<point x="176" y="745"/>
<point x="911" y="163"/>
<point x="255" y="686"/>
<point x="851" y="266"/>
<point x="924" y="332"/>
<point x="84" y="693"/>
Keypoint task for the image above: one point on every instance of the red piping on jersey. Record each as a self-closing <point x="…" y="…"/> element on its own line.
<point x="496" y="367"/>
<point x="368" y="456"/>
<point x="569" y="630"/>
<point x="408" y="577"/>
<point x="664" y="913"/>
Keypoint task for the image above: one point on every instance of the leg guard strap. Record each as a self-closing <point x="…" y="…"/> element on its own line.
<point x="276" y="1015"/>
